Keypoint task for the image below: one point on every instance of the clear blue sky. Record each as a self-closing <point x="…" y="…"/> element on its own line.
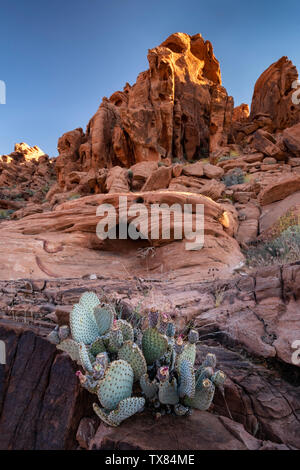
<point x="59" y="58"/>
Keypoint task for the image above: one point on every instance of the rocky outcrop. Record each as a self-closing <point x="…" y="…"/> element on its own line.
<point x="272" y="98"/>
<point x="279" y="190"/>
<point x="291" y="139"/>
<point x="173" y="433"/>
<point x="240" y="113"/>
<point x="176" y="109"/>
<point x="25" y="174"/>
<point x="41" y="402"/>
<point x="249" y="322"/>
<point x="63" y="243"/>
<point x="273" y="108"/>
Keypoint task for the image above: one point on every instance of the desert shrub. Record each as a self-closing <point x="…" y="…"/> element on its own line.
<point x="290" y="219"/>
<point x="30" y="192"/>
<point x="6" y="213"/>
<point x="73" y="197"/>
<point x="248" y="178"/>
<point x="232" y="156"/>
<point x="283" y="249"/>
<point x="45" y="188"/>
<point x="236" y="177"/>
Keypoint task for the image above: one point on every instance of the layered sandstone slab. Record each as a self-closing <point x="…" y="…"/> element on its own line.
<point x="63" y="243"/>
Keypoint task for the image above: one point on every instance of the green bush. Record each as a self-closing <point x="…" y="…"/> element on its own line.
<point x="236" y="177"/>
<point x="6" y="213"/>
<point x="283" y="249"/>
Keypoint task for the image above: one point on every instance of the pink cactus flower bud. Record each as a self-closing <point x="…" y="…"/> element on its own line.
<point x="179" y="340"/>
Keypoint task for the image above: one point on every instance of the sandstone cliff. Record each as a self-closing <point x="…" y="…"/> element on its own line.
<point x="176" y="109"/>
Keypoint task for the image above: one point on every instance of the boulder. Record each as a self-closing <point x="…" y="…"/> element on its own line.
<point x="143" y="432"/>
<point x="141" y="172"/>
<point x="194" y="169"/>
<point x="279" y="189"/>
<point x="265" y="143"/>
<point x="272" y="95"/>
<point x="212" y="171"/>
<point x="41" y="402"/>
<point x="291" y="139"/>
<point x="159" y="179"/>
<point x="117" y="180"/>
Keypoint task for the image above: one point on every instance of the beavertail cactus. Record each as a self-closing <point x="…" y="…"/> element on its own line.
<point x="126" y="329"/>
<point x="104" y="317"/>
<point x="149" y="388"/>
<point x="126" y="408"/>
<point x="116" y="339"/>
<point x="131" y="353"/>
<point x="168" y="392"/>
<point x="203" y="397"/>
<point x="116" y="384"/>
<point x="84" y="328"/>
<point x="154" y="345"/>
<point x="114" y="354"/>
<point x="187" y="379"/>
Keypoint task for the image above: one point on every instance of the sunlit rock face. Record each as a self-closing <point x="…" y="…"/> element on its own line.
<point x="272" y="96"/>
<point x="176" y="109"/>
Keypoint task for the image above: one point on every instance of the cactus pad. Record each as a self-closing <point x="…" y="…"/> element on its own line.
<point x="126" y="408"/>
<point x="131" y="353"/>
<point x="193" y="336"/>
<point x="171" y="330"/>
<point x="187" y="379"/>
<point x="83" y="327"/>
<point x="202" y="374"/>
<point x="97" y="347"/>
<point x="116" y="384"/>
<point x="127" y="330"/>
<point x="209" y="361"/>
<point x="89" y="301"/>
<point x="148" y="388"/>
<point x="85" y="358"/>
<point x="203" y="397"/>
<point x="167" y="392"/>
<point x="71" y="348"/>
<point x="115" y="341"/>
<point x="218" y="378"/>
<point x="154" y="345"/>
<point x="104" y="317"/>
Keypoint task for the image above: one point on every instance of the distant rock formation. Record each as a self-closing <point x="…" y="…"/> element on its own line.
<point x="241" y="112"/>
<point x="272" y="107"/>
<point x="27" y="173"/>
<point x="272" y="96"/>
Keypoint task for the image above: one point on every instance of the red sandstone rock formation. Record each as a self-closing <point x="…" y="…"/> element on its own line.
<point x="63" y="243"/>
<point x="272" y="108"/>
<point x="25" y="174"/>
<point x="272" y="96"/>
<point x="176" y="109"/>
<point x="241" y="112"/>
